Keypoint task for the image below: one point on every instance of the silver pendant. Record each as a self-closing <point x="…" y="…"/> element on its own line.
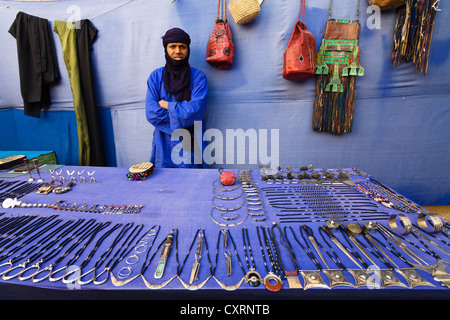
<point x="313" y="279"/>
<point x="388" y="278"/>
<point x="363" y="277"/>
<point x="413" y="278"/>
<point x="253" y="278"/>
<point x="337" y="278"/>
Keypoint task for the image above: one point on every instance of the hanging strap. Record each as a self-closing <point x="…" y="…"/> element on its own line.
<point x="222" y="16"/>
<point x="301" y="12"/>
<point x="357" y="10"/>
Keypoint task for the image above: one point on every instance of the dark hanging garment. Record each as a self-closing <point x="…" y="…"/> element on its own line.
<point x="86" y="35"/>
<point x="38" y="66"/>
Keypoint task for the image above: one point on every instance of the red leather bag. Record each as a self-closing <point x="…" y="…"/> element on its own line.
<point x="299" y="59"/>
<point x="220" y="48"/>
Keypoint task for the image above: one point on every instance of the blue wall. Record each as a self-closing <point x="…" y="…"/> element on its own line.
<point x="401" y="123"/>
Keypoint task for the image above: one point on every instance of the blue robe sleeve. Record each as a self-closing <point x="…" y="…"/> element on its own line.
<point x="183" y="114"/>
<point x="156" y="115"/>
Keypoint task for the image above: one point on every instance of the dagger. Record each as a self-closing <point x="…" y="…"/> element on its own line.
<point x="164" y="255"/>
<point x="340" y="246"/>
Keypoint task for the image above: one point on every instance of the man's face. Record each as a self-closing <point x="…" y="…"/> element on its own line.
<point x="177" y="51"/>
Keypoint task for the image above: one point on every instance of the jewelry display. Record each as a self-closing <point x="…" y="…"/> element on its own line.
<point x="313" y="278"/>
<point x="41" y="228"/>
<point x="228" y="204"/>
<point x="65" y="189"/>
<point x="46" y="241"/>
<point x="119" y="255"/>
<point x="313" y="210"/>
<point x="386" y="276"/>
<point x="292" y="276"/>
<point x="80" y="174"/>
<point x="91" y="177"/>
<point x="406" y="224"/>
<point x="437" y="225"/>
<point x="41" y="257"/>
<point x="335" y="276"/>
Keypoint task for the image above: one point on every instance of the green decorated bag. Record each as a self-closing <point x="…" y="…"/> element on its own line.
<point x="337" y="67"/>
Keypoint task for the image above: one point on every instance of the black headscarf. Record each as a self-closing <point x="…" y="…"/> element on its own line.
<point x="177" y="73"/>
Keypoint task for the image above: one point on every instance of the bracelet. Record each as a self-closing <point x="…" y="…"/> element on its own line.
<point x="228" y="224"/>
<point x="224" y="189"/>
<point x="219" y="207"/>
<point x="407" y="225"/>
<point x="436" y="222"/>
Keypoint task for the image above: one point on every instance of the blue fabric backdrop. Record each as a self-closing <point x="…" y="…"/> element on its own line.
<point x="400" y="132"/>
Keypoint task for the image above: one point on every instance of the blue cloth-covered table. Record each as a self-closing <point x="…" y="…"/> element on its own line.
<point x="183" y="199"/>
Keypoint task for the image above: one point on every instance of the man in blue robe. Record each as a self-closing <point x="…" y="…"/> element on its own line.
<point x="176" y="105"/>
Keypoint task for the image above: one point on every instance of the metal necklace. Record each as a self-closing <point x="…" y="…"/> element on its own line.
<point x="55" y="251"/>
<point x="411" y="275"/>
<point x="272" y="281"/>
<point x="113" y="261"/>
<point x="252" y="277"/>
<point x="336" y="276"/>
<point x="16" y="230"/>
<point x="291" y="275"/>
<point x="39" y="225"/>
<point x="74" y="274"/>
<point x="49" y="268"/>
<point x="226" y="234"/>
<point x="75" y="257"/>
<point x="105" y="255"/>
<point x="148" y="261"/>
<point x="386" y="276"/>
<point x="200" y="285"/>
<point x="362" y="276"/>
<point x="153" y="233"/>
<point x="31" y="248"/>
<point x="78" y="236"/>
<point x="312" y="278"/>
